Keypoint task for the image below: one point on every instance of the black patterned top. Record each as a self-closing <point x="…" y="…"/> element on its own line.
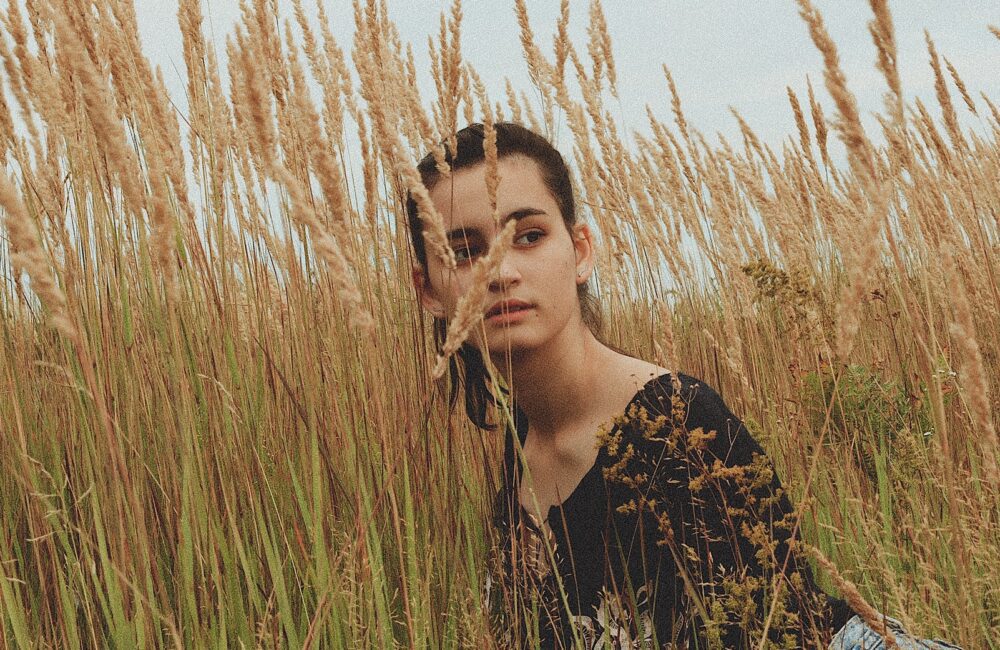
<point x="679" y="533"/>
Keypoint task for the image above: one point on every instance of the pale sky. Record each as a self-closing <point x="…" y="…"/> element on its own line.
<point x="721" y="53"/>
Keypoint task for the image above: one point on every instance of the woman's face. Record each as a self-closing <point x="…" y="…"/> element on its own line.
<point x="541" y="270"/>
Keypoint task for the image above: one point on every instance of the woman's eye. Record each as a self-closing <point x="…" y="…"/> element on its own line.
<point x="468" y="253"/>
<point x="465" y="254"/>
<point x="536" y="234"/>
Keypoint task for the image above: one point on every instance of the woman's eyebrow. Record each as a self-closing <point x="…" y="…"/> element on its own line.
<point x="516" y="215"/>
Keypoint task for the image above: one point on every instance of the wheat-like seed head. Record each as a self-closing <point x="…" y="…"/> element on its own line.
<point x="944" y="98"/>
<point x="884" y="36"/>
<point x="962" y="90"/>
<point x="819" y="123"/>
<point x="29" y="255"/>
<point x="849" y="123"/>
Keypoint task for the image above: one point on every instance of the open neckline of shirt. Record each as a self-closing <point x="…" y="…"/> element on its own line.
<point x="562" y="506"/>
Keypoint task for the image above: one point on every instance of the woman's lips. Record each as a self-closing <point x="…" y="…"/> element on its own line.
<point x="514" y="315"/>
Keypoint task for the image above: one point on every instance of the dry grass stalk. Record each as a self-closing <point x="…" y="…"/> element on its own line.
<point x="538" y="67"/>
<point x="7" y="134"/>
<point x="466" y="97"/>
<point x="865" y="256"/>
<point x="944" y="98"/>
<point x="594" y="47"/>
<point x="331" y="252"/>
<point x="326" y="74"/>
<point x="666" y="354"/>
<point x="436" y="75"/>
<point x="973" y="376"/>
<point x="108" y="130"/>
<point x="449" y="73"/>
<point x="28" y="254"/>
<point x="994" y="112"/>
<point x="687" y="206"/>
<point x="601" y="53"/>
<point x="931" y="136"/>
<point x="884" y="36"/>
<point x="340" y="74"/>
<point x="469" y="311"/>
<point x="803" y="129"/>
<point x="489" y="145"/>
<point x="254" y="100"/>
<point x="163" y="226"/>
<point x="432" y="219"/>
<point x="849" y="591"/>
<point x="157" y="126"/>
<point x="819" y="122"/>
<point x="866" y="243"/>
<point x="539" y="70"/>
<point x="971" y="105"/>
<point x="512" y="103"/>
<point x="320" y="67"/>
<point x="561" y="44"/>
<point x="372" y="73"/>
<point x="454" y="59"/>
<point x="675" y="106"/>
<point x="332" y="183"/>
<point x="14" y="24"/>
<point x="418" y="116"/>
<point x="848" y="124"/>
<point x="529" y="113"/>
<point x="370" y="176"/>
<point x="328" y="169"/>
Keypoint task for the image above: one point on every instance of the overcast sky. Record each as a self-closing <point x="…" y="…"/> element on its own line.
<point x="721" y="53"/>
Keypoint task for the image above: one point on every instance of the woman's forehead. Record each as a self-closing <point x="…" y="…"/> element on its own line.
<point x="463" y="199"/>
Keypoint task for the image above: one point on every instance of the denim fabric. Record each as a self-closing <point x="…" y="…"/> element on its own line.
<point x="857" y="635"/>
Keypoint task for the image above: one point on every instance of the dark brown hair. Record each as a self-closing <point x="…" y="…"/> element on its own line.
<point x="468" y="365"/>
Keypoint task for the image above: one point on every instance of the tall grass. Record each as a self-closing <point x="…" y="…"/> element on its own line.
<point x="218" y="425"/>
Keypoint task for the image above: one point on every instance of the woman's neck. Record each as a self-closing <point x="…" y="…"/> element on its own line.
<point x="556" y="387"/>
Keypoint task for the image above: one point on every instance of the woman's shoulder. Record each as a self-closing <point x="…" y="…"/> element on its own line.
<point x="664" y="393"/>
<point x="677" y="403"/>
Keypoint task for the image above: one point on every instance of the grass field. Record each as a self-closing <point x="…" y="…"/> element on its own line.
<point x="218" y="421"/>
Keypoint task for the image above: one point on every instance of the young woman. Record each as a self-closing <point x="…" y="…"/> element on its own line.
<point x="635" y="509"/>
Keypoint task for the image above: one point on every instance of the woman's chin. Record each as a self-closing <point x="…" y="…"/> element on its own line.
<point x="500" y="345"/>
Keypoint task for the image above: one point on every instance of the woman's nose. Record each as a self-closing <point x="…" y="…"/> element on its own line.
<point x="507" y="274"/>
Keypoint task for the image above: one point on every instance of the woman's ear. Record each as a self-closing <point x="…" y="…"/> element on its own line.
<point x="583" y="246"/>
<point x="426" y="292"/>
